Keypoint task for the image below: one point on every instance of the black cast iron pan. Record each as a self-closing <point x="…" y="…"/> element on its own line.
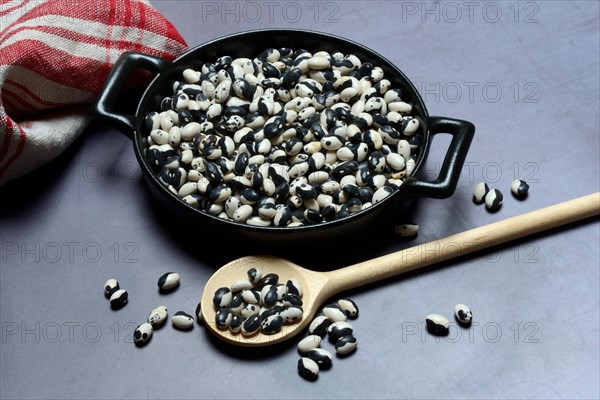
<point x="249" y="44"/>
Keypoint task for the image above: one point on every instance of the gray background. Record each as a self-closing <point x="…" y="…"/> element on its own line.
<point x="526" y="74"/>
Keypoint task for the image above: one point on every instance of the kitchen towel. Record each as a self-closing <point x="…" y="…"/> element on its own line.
<point x="54" y="58"/>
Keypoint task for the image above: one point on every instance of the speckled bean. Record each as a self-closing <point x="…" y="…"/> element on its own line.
<point x="463" y="314"/>
<point x="142" y="334"/>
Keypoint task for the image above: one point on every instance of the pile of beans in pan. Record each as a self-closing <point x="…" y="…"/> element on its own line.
<point x="285" y="139"/>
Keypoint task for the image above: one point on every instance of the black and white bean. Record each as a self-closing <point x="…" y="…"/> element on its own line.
<point x="111" y="286"/>
<point x="223" y="317"/>
<point x="346" y="344"/>
<point x="339" y="329"/>
<point x="309" y="343"/>
<point x="333" y="313"/>
<point x="308" y="368"/>
<point x="118" y="299"/>
<point x="222" y="297"/>
<point x="183" y="321"/>
<point x="519" y="188"/>
<point x="291" y="314"/>
<point x="437" y="324"/>
<point x="271" y="324"/>
<point x="236" y="323"/>
<point x="168" y="281"/>
<point x="319" y="326"/>
<point x="493" y="200"/>
<point x="251" y="325"/>
<point x="322" y="357"/>
<point x="480" y="191"/>
<point x="349" y="307"/>
<point x="158" y="315"/>
<point x="142" y="333"/>
<point x="340" y="333"/>
<point x="463" y="314"/>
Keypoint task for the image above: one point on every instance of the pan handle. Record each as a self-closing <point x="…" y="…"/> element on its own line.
<point x="443" y="187"/>
<point x="116" y="79"/>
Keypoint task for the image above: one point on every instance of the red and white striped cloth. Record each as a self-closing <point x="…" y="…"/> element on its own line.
<point x="54" y="58"/>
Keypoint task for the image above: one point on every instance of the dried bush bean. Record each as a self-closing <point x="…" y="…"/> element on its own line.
<point x="258" y="303"/>
<point x="233" y="136"/>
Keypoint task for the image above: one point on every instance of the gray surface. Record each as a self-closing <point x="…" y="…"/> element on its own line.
<point x="535" y="302"/>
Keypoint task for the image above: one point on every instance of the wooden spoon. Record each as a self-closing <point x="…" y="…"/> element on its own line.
<point x="319" y="286"/>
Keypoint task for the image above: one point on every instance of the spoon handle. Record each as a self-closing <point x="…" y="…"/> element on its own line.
<point x="463" y="243"/>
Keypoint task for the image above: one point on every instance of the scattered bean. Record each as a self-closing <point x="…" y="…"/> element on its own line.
<point x="519" y="188"/>
<point x="463" y="314"/>
<point x="407" y="230"/>
<point x="308" y="368"/>
<point x="182" y="320"/>
<point x="333" y="313"/>
<point x="493" y="200"/>
<point x="339" y="332"/>
<point x="437" y="324"/>
<point x="346" y="344"/>
<point x="118" y="299"/>
<point x="338" y="329"/>
<point x="319" y="326"/>
<point x="480" y="191"/>
<point x="168" y="281"/>
<point x="322" y="357"/>
<point x="309" y="343"/>
<point x="142" y="333"/>
<point x="110" y="287"/>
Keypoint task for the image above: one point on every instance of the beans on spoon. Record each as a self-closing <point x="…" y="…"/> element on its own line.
<point x="319" y="286"/>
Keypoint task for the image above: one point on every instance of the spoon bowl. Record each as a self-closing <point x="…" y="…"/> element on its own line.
<point x="314" y="293"/>
<point x="319" y="286"/>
